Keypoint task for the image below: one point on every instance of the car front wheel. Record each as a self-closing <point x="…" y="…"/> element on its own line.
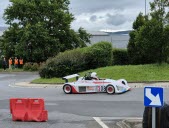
<point x="67" y="89"/>
<point x="110" y="89"/>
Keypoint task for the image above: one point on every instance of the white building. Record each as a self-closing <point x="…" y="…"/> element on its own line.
<point x="118" y="39"/>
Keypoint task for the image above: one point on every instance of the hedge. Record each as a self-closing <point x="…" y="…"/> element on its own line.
<point x="77" y="60"/>
<point x="120" y="57"/>
<point x="99" y="55"/>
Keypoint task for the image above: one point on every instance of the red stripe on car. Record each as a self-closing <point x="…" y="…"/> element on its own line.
<point x="74" y="90"/>
<point x="101" y="82"/>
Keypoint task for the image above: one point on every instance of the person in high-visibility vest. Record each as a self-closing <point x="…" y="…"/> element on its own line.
<point x="10" y="63"/>
<point x="21" y="62"/>
<point x="16" y="62"/>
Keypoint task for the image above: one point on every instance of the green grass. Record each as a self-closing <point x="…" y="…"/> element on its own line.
<point x="132" y="73"/>
<point x="136" y="73"/>
<point x="48" y="81"/>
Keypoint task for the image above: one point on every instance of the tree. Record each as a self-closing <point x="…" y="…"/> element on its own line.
<point x="84" y="36"/>
<point x="132" y="48"/>
<point x="43" y="29"/>
<point x="148" y="42"/>
<point x="159" y="11"/>
<point x="8" y="44"/>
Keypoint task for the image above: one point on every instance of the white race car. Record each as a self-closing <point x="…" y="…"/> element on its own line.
<point x="87" y="84"/>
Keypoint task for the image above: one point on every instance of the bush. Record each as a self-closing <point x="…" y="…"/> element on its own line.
<point x="27" y="66"/>
<point x="63" y="64"/>
<point x="99" y="55"/>
<point x="120" y="57"/>
<point x="31" y="66"/>
<point x="77" y="60"/>
<point x="34" y="67"/>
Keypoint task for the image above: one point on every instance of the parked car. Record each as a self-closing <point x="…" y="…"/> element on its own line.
<point x="90" y="83"/>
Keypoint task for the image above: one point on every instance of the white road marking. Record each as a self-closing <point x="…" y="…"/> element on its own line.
<point x="20" y="86"/>
<point x="126" y="124"/>
<point x="120" y="124"/>
<point x="98" y="120"/>
<point x="122" y="118"/>
<point x="14" y="86"/>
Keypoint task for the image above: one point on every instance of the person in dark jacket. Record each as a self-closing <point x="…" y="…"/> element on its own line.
<point x="4" y="63"/>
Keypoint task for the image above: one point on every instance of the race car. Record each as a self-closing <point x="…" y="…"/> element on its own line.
<point x="90" y="83"/>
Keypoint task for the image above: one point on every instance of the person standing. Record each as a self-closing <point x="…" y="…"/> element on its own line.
<point x="16" y="62"/>
<point x="4" y="64"/>
<point x="10" y="63"/>
<point x="21" y="62"/>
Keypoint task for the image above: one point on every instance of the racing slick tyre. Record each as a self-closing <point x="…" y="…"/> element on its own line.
<point x="110" y="89"/>
<point x="67" y="89"/>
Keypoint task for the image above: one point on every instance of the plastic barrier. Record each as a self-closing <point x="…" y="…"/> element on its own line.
<point x="18" y="109"/>
<point x="25" y="109"/>
<point x="37" y="111"/>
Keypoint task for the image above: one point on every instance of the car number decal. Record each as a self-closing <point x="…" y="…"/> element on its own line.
<point x="101" y="88"/>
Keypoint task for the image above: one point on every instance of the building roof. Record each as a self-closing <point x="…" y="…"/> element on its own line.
<point x="98" y="33"/>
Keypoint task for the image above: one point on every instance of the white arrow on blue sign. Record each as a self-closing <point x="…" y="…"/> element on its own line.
<point x="153" y="96"/>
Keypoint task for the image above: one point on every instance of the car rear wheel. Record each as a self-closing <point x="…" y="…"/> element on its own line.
<point x="67" y="89"/>
<point x="110" y="89"/>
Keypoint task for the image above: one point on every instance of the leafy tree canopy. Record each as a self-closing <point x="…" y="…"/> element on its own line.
<point x="39" y="29"/>
<point x="149" y="41"/>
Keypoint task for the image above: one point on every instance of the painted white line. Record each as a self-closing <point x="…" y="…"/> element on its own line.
<point x="19" y="86"/>
<point x="98" y="120"/>
<point x="122" y="118"/>
<point x="14" y="86"/>
<point x="126" y="124"/>
<point x="119" y="124"/>
<point x="122" y="124"/>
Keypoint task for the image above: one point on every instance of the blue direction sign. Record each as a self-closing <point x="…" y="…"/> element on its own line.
<point x="153" y="96"/>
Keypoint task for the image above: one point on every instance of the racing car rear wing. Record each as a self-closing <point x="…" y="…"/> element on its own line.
<point x="70" y="76"/>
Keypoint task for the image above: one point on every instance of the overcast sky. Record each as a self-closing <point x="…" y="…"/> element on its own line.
<point x="95" y="15"/>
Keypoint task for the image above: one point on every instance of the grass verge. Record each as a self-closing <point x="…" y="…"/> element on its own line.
<point x="132" y="73"/>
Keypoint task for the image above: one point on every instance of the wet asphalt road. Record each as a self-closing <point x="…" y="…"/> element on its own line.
<point x="74" y="110"/>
